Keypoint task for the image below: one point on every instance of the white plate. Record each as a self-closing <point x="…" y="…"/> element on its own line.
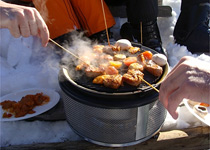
<point x="54" y="99"/>
<point x="205" y="119"/>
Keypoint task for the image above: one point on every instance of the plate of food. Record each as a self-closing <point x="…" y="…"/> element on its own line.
<point x="27" y="103"/>
<point x="199" y="110"/>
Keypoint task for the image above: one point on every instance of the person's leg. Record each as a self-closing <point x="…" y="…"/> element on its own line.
<point x="192" y="27"/>
<point x="58" y="15"/>
<point x="90" y="15"/>
<point x="144" y="11"/>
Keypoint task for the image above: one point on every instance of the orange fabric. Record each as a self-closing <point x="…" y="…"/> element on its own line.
<point x="62" y="16"/>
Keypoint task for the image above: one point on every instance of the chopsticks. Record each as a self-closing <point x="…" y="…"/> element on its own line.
<point x="150" y="85"/>
<point x="107" y="34"/>
<point x="67" y="50"/>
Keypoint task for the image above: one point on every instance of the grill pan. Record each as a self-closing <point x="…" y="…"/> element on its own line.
<point x="85" y="84"/>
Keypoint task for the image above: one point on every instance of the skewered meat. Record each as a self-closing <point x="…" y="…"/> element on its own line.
<point x="133" y="77"/>
<point x="134" y="50"/>
<point x="98" y="48"/>
<point x="136" y="66"/>
<point x="113" y="81"/>
<point x="100" y="79"/>
<point x="110" y="49"/>
<point x="153" y="68"/>
<point x="106" y="57"/>
<point x="92" y="71"/>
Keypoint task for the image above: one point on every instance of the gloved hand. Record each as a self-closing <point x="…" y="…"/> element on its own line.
<point x="23" y="21"/>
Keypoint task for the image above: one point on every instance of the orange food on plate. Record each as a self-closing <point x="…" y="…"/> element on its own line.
<point x="147" y="55"/>
<point x="204" y="104"/>
<point x="129" y="60"/>
<point x="24" y="106"/>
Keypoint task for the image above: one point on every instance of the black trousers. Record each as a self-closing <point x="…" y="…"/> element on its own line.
<point x="147" y="10"/>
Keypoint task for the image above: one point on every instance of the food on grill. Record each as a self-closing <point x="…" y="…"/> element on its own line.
<point x="153" y="68"/>
<point x="113" y="81"/>
<point x="24" y="106"/>
<point x="134" y="50"/>
<point x="113" y="65"/>
<point x="147" y="55"/>
<point x="129" y="60"/>
<point x="159" y="59"/>
<point x="92" y="71"/>
<point x="119" y="57"/>
<point x="123" y="44"/>
<point x="116" y="64"/>
<point x="111" y="70"/>
<point x="136" y="66"/>
<point x="133" y="77"/>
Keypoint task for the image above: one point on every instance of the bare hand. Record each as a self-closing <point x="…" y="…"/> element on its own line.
<point x="189" y="79"/>
<point x="23" y="21"/>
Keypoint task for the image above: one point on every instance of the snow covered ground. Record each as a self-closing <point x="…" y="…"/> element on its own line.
<point x="25" y="64"/>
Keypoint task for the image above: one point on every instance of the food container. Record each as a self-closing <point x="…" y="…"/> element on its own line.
<point x="112" y="119"/>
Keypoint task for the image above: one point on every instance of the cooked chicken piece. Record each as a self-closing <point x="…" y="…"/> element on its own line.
<point x="133" y="77"/>
<point x="136" y="66"/>
<point x="134" y="50"/>
<point x="113" y="81"/>
<point x="98" y="48"/>
<point x="119" y="57"/>
<point x="141" y="59"/>
<point x="92" y="71"/>
<point x="153" y="68"/>
<point x="123" y="44"/>
<point x="100" y="79"/>
<point x="110" y="49"/>
<point x="81" y="66"/>
<point x="106" y="57"/>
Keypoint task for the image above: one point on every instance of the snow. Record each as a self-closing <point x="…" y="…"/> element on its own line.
<point x="26" y="64"/>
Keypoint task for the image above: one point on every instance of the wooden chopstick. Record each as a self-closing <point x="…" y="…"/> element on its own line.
<point x="150" y="85"/>
<point x="107" y="34"/>
<point x="66" y="50"/>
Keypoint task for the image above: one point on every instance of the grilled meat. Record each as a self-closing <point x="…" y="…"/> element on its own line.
<point x="153" y="68"/>
<point x="134" y="50"/>
<point x="133" y="77"/>
<point x="92" y="71"/>
<point x="136" y="66"/>
<point x="113" y="81"/>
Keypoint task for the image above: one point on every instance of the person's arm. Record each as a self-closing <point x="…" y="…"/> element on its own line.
<point x="23" y="21"/>
<point x="189" y="79"/>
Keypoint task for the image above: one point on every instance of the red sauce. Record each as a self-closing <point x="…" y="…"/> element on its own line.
<point x="24" y="106"/>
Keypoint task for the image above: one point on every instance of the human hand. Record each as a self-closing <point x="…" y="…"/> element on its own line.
<point x="23" y="21"/>
<point x="189" y="79"/>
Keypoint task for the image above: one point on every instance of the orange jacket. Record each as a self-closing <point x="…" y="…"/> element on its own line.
<point x="63" y="16"/>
